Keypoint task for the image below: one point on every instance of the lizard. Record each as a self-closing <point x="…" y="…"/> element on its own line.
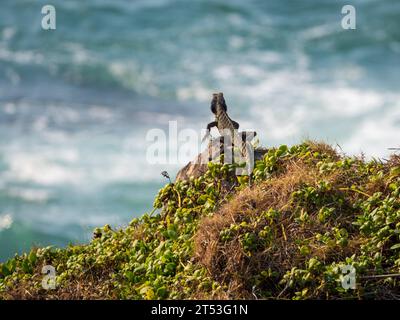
<point x="225" y="124"/>
<point x="222" y="120"/>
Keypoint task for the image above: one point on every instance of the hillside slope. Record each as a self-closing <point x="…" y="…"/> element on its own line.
<point x="308" y="213"/>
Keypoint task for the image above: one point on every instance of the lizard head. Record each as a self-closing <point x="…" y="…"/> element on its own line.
<point x="217" y="102"/>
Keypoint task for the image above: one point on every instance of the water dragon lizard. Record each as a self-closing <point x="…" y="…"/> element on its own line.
<point x="226" y="126"/>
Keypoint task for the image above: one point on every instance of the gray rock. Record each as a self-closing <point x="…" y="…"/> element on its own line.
<point x="198" y="166"/>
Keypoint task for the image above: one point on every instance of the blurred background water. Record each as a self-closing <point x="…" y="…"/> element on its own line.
<point x="76" y="103"/>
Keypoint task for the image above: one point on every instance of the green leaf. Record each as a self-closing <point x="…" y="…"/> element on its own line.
<point x="170" y="267"/>
<point x="395" y="172"/>
<point x="139" y="269"/>
<point x="5" y="271"/>
<point x="32" y="257"/>
<point x="130" y="276"/>
<point x="11" y="265"/>
<point x="172" y="234"/>
<point x="202" y="199"/>
<point x="162" y="292"/>
<point x="304" y="250"/>
<point x="26" y="266"/>
<point x="396" y="246"/>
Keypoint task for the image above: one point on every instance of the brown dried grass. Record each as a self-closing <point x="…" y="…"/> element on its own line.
<point x="227" y="262"/>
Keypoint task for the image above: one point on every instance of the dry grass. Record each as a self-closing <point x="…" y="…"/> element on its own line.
<point x="92" y="285"/>
<point x="227" y="262"/>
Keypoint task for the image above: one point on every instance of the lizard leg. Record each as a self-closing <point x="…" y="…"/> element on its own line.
<point x="209" y="126"/>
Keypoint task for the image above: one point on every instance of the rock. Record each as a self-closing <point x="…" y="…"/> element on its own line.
<point x="198" y="166"/>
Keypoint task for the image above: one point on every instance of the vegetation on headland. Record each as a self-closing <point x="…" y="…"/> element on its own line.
<point x="309" y="212"/>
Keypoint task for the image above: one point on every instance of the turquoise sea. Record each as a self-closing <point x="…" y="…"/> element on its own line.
<point x="76" y="102"/>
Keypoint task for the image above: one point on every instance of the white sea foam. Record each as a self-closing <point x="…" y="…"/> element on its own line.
<point x="79" y="54"/>
<point x="134" y="77"/>
<point x="6" y="221"/>
<point x="8" y="33"/>
<point x="9" y="108"/>
<point x="21" y="57"/>
<point x="100" y="113"/>
<point x="31" y="195"/>
<point x="61" y="114"/>
<point x="288" y="104"/>
<point x="280" y="125"/>
<point x="311" y="104"/>
<point x="39" y="169"/>
<point x="236" y="42"/>
<point x="320" y="31"/>
<point x="92" y="168"/>
<point x="376" y="134"/>
<point x="195" y="91"/>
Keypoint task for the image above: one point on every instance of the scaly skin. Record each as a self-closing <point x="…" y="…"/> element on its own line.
<point x="224" y="123"/>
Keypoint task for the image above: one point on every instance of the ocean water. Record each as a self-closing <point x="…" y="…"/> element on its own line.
<point x="76" y="103"/>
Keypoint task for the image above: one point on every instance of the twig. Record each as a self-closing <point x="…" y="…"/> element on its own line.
<point x="394" y="275"/>
<point x="355" y="190"/>
<point x="284" y="289"/>
<point x="152" y="211"/>
<point x="283" y="232"/>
